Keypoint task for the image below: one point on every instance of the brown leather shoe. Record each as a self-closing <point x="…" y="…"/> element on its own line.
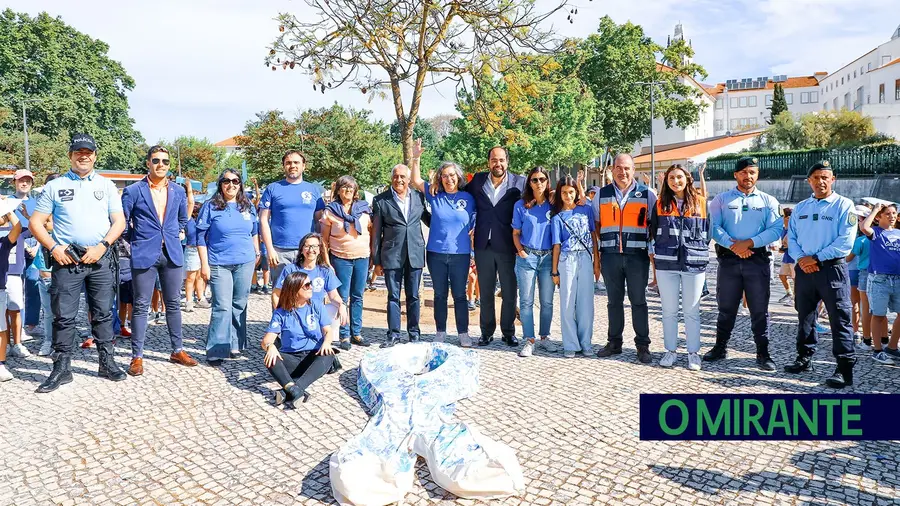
<point x="137" y="367"/>
<point x="182" y="358"/>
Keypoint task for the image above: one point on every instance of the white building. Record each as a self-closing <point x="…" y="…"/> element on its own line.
<point x="231" y="146"/>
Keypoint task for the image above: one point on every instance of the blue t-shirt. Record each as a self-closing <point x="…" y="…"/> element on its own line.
<point x="534" y="224"/>
<point x="581" y="223"/>
<point x="861" y="250"/>
<point x="323" y="279"/>
<point x="292" y="208"/>
<point x="300" y="329"/>
<point x="190" y="233"/>
<point x="884" y="252"/>
<point x="227" y="234"/>
<point x="39" y="262"/>
<point x="452" y="218"/>
<point x="5" y="248"/>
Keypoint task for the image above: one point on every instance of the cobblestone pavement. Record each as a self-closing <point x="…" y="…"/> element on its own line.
<point x="212" y="436"/>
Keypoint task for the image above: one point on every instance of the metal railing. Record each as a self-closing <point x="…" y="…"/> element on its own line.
<point x="863" y="161"/>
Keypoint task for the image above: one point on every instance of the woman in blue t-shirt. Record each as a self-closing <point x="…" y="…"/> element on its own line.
<point x="884" y="279"/>
<point x="226" y="240"/>
<point x="574" y="252"/>
<point x="449" y="242"/>
<point x="298" y="340"/>
<point x="531" y="236"/>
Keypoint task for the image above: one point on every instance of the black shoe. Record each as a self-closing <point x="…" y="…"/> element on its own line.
<point x="235" y="354"/>
<point x="254" y="288"/>
<point x="345" y="344"/>
<point x="359" y="341"/>
<point x="609" y="350"/>
<point x="335" y="365"/>
<point x="214" y="362"/>
<point x="392" y="341"/>
<point x="884" y="341"/>
<point x="415" y="339"/>
<point x="293" y="394"/>
<point x="764" y="361"/>
<point x="60" y="375"/>
<point x="485" y="340"/>
<point x="108" y="368"/>
<point x="643" y="354"/>
<point x="843" y="374"/>
<point x="510" y="340"/>
<point x="265" y="290"/>
<point x="718" y="352"/>
<point x="800" y="364"/>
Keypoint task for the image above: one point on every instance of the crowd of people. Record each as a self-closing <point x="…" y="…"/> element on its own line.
<point x="139" y="249"/>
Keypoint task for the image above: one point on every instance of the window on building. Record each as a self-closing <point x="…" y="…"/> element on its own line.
<point x="847" y="104"/>
<point x="824" y="106"/>
<point x="885" y="60"/>
<point x="842" y="81"/>
<point x="751" y="101"/>
<point x="881" y="93"/>
<point x="854" y="74"/>
<point x="869" y="67"/>
<point x="768" y="100"/>
<point x="734" y="103"/>
<point x="835" y="103"/>
<point x="814" y="96"/>
<point x="859" y="98"/>
<point x="897" y="89"/>
<point x="804" y="97"/>
<point x="720" y="104"/>
<point x="789" y="98"/>
<point x="743" y="102"/>
<point x="868" y="99"/>
<point x="735" y="123"/>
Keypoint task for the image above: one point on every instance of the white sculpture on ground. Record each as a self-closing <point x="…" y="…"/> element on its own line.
<point x="411" y="391"/>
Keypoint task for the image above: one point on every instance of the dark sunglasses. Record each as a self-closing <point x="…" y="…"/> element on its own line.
<point x="234" y="181"/>
<point x="165" y="161"/>
<point x="306" y="286"/>
<point x="537" y="180"/>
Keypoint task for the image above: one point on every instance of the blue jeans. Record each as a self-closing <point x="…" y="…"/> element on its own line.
<point x="450" y="272"/>
<point x="32" y="315"/>
<point x="576" y="300"/>
<point x="352" y="275"/>
<point x="531" y="271"/>
<point x="44" y="294"/>
<point x="680" y="287"/>
<point x="230" y="285"/>
<point x="143" y="282"/>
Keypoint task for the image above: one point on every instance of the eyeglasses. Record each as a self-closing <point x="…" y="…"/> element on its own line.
<point x="348" y="188"/>
<point x="311" y="246"/>
<point x="165" y="161"/>
<point x="537" y="180"/>
<point x="234" y="181"/>
<point x="448" y="176"/>
<point x="306" y="286"/>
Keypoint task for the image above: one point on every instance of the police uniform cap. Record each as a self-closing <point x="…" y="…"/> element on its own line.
<point x="744" y="162"/>
<point x="823" y="165"/>
<point x="82" y="141"/>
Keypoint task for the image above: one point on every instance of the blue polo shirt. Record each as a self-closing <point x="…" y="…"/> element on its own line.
<point x="575" y="233"/>
<point x="452" y="218"/>
<point x="292" y="208"/>
<point x="534" y="224"/>
<point x="884" y="254"/>
<point x="323" y="279"/>
<point x="228" y="234"/>
<point x="300" y="329"/>
<point x="80" y="207"/>
<point x="825" y="228"/>
<point x="735" y="216"/>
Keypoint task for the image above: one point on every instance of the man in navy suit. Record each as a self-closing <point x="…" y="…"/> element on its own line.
<point x="155" y="215"/>
<point x="496" y="193"/>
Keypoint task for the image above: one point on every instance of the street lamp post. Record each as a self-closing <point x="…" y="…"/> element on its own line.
<point x="25" y="130"/>
<point x="651" y="85"/>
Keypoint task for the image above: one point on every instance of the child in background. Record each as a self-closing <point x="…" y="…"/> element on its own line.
<point x="786" y="272"/>
<point x="884" y="278"/>
<point x="126" y="295"/>
<point x="7" y="243"/>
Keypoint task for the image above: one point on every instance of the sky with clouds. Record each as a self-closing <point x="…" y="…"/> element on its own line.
<point x="199" y="69"/>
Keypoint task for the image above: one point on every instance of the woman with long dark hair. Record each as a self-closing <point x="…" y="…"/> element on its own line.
<point x="679" y="230"/>
<point x="227" y="229"/>
<point x="298" y="340"/>
<point x="346" y="229"/>
<point x="531" y="236"/>
<point x="574" y="241"/>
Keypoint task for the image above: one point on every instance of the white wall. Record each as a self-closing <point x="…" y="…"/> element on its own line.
<point x="760" y="112"/>
<point x="860" y="73"/>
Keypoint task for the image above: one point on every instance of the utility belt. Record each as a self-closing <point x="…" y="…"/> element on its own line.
<point x="537" y="252"/>
<point x="75" y="252"/>
<point x="833" y="261"/>
<point x="723" y="252"/>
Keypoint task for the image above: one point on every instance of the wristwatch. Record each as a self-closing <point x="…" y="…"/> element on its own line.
<point x="104" y="243"/>
<point x="554" y="274"/>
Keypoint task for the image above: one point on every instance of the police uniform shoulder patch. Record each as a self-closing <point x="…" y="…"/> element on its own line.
<point x="853" y="219"/>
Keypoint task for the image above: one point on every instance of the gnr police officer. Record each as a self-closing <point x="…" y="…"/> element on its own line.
<point x="820" y="236"/>
<point x="744" y="222"/>
<point x="87" y="213"/>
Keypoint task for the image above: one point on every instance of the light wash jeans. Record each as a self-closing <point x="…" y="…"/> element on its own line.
<point x="230" y="285"/>
<point x="576" y="299"/>
<point x="530" y="272"/>
<point x="685" y="288"/>
<point x="44" y="291"/>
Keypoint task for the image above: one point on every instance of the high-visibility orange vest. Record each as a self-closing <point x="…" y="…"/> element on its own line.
<point x="624" y="230"/>
<point x="681" y="241"/>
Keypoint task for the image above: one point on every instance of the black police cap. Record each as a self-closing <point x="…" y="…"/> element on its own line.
<point x="744" y="162"/>
<point x="823" y="165"/>
<point x="82" y="141"/>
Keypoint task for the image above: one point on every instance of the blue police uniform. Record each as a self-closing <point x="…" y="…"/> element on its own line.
<point x="824" y="229"/>
<point x="736" y="216"/>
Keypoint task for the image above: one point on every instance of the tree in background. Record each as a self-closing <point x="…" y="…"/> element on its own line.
<point x="265" y="139"/>
<point x="430" y="141"/>
<point x="383" y="47"/>
<point x="77" y="87"/>
<point x="199" y="159"/>
<point x="820" y="130"/>
<point x="779" y="103"/>
<point x="47" y="154"/>
<point x="618" y="56"/>
<point x="537" y="109"/>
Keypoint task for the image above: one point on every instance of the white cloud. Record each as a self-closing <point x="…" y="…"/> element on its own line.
<point x="198" y="64"/>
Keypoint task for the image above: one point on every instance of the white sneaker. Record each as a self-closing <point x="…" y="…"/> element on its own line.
<point x="882" y="358"/>
<point x="787" y="298"/>
<point x="464" y="340"/>
<point x="36" y="330"/>
<point x="46" y="349"/>
<point x="527" y="350"/>
<point x="863" y="346"/>
<point x="743" y="311"/>
<point x="5" y="375"/>
<point x="569" y="354"/>
<point x="668" y="359"/>
<point x="693" y="361"/>
<point x="547" y="345"/>
<point x="440" y="337"/>
<point x="19" y="350"/>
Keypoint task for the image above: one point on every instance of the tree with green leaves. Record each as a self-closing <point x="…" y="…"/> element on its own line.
<point x="264" y="140"/>
<point x="779" y="103"/>
<point x="47" y="154"/>
<point x="385" y="48"/>
<point x="69" y="85"/>
<point x="614" y="60"/>
<point x="198" y="159"/>
<point x="819" y="130"/>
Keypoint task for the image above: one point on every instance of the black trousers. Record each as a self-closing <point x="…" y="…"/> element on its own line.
<point x="302" y="368"/>
<point x="831" y="285"/>
<point x="99" y="280"/>
<point x="489" y="265"/>
<point x="632" y="271"/>
<point x="735" y="277"/>
<point x="410" y="279"/>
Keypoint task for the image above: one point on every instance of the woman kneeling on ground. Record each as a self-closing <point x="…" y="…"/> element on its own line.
<point x="298" y="340"/>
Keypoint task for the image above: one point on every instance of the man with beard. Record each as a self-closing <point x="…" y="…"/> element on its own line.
<point x="496" y="193"/>
<point x="745" y="221"/>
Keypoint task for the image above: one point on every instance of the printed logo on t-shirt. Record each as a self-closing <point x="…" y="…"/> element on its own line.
<point x="246" y="215"/>
<point x="276" y="324"/>
<point x="461" y="205"/>
<point x="99" y="194"/>
<point x="307" y="197"/>
<point x="310" y="320"/>
<point x="66" y="194"/>
<point x="318" y="284"/>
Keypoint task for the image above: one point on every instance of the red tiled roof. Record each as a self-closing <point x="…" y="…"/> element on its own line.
<point x="227" y="143"/>
<point x="682" y="152"/>
<point x="792" y="82"/>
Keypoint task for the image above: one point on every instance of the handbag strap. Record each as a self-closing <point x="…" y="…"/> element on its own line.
<point x="580" y="239"/>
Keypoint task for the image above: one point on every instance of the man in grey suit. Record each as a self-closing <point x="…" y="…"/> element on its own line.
<point x="398" y="249"/>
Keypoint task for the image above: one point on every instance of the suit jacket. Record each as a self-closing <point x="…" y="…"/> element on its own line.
<point x="394" y="239"/>
<point x="143" y="228"/>
<point x="495" y="221"/>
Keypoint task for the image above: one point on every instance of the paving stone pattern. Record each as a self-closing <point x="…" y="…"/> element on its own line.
<point x="212" y="436"/>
